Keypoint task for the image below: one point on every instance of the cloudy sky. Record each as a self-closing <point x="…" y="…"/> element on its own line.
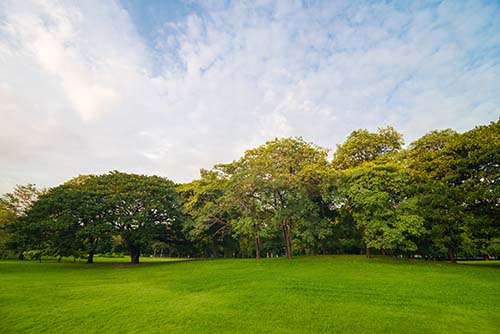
<point x="169" y="87"/>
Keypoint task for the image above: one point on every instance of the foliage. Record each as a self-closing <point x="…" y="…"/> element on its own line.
<point x="439" y="198"/>
<point x="13" y="209"/>
<point x="210" y="218"/>
<point x="140" y="208"/>
<point x="76" y="216"/>
<point x="382" y="205"/>
<point x="364" y="146"/>
<point x="269" y="184"/>
<point x="460" y="195"/>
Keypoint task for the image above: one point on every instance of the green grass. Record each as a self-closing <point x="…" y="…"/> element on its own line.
<point x="324" y="294"/>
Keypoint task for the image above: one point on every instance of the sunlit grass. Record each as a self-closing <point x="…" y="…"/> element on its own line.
<point x="324" y="294"/>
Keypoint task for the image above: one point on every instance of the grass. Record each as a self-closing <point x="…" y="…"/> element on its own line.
<point x="324" y="294"/>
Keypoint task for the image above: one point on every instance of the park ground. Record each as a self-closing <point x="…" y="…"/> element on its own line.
<point x="322" y="294"/>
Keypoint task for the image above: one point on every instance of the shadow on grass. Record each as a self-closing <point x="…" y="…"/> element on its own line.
<point x="99" y="262"/>
<point x="481" y="264"/>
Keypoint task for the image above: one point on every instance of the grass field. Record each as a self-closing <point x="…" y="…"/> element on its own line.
<point x="324" y="294"/>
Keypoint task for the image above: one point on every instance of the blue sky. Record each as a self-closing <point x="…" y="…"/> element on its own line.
<point x="169" y="87"/>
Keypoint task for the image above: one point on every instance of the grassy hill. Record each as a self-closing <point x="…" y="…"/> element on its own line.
<point x="324" y="294"/>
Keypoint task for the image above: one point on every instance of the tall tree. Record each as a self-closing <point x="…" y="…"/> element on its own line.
<point x="471" y="164"/>
<point x="380" y="199"/>
<point x="440" y="201"/>
<point x="461" y="194"/>
<point x="319" y="223"/>
<point x="203" y="203"/>
<point x="250" y="220"/>
<point x="272" y="186"/>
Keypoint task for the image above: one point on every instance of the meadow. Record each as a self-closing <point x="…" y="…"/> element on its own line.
<point x="322" y="294"/>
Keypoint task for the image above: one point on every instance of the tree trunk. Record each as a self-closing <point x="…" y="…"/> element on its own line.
<point x="135" y="252"/>
<point x="93" y="242"/>
<point x="257" y="243"/>
<point x="314" y="248"/>
<point x="288" y="240"/>
<point x="285" y="240"/>
<point x="90" y="258"/>
<point x="21" y="256"/>
<point x="368" y="252"/>
<point x="451" y="254"/>
<point x="324" y="249"/>
<point x="214" y="248"/>
<point x="59" y="259"/>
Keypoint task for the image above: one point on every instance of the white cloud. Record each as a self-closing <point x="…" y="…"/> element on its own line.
<point x="81" y="92"/>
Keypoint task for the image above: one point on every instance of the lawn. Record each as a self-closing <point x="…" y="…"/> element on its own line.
<point x="323" y="294"/>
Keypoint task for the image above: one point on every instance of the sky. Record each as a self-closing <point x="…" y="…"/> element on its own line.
<point x="169" y="87"/>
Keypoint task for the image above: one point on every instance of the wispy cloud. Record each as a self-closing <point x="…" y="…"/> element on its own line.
<point x="82" y="91"/>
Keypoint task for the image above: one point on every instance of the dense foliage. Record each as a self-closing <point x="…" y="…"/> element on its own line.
<point x="439" y="198"/>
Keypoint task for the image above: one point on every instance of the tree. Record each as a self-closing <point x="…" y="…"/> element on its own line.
<point x="460" y="197"/>
<point x="210" y="218"/>
<point x="475" y="161"/>
<point x="250" y="219"/>
<point x="268" y="183"/>
<point x="319" y="223"/>
<point x="441" y="206"/>
<point x="380" y="199"/>
<point x="470" y="165"/>
<point x="364" y="146"/>
<point x="141" y="208"/>
<point x="76" y="216"/>
<point x="439" y="200"/>
<point x="6" y="217"/>
<point x="14" y="207"/>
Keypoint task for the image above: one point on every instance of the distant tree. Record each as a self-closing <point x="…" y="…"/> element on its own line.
<point x="158" y="248"/>
<point x="21" y="199"/>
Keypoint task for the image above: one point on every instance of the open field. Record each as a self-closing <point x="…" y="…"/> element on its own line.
<point x="324" y="294"/>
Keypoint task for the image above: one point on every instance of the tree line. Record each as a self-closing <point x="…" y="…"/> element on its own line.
<point x="437" y="198"/>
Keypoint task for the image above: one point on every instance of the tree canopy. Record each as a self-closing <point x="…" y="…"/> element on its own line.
<point x="438" y="198"/>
